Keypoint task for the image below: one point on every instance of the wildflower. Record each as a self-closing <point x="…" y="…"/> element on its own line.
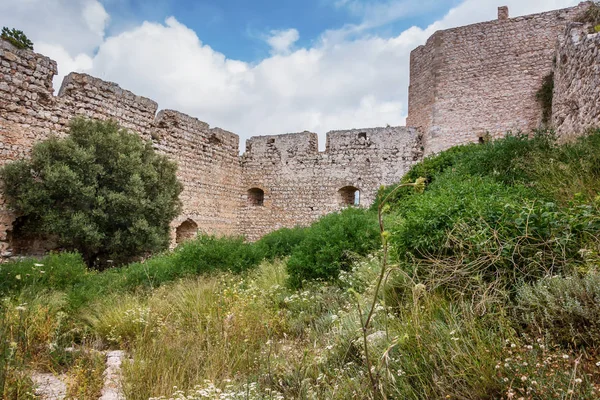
<point x="20" y="308"/>
<point x="566" y="357"/>
<point x="18" y="277"/>
<point x="598" y="364"/>
<point x="578" y="380"/>
<point x="523" y="378"/>
<point x="529" y="347"/>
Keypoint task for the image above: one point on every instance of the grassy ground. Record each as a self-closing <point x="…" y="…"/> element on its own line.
<point x="491" y="292"/>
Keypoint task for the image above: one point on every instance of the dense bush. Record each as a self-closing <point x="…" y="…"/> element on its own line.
<point x="565" y="308"/>
<point x="17" y="38"/>
<point x="101" y="191"/>
<point x="490" y="218"/>
<point x="568" y="171"/>
<point x="423" y="222"/>
<point x="281" y="243"/>
<point x="202" y="255"/>
<point x="330" y="243"/>
<point x="430" y="168"/>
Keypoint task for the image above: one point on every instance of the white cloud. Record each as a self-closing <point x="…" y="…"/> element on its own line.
<point x="281" y="41"/>
<point x="67" y="31"/>
<point x="342" y="81"/>
<point x="95" y="17"/>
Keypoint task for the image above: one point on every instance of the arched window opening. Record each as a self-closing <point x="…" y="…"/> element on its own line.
<point x="256" y="197"/>
<point x="186" y="231"/>
<point x="349" y="196"/>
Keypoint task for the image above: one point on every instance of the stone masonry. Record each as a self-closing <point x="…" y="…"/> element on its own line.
<point x="576" y="102"/>
<point x="466" y="82"/>
<point x="481" y="79"/>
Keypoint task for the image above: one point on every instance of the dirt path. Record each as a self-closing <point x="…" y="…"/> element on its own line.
<point x="52" y="387"/>
<point x="49" y="386"/>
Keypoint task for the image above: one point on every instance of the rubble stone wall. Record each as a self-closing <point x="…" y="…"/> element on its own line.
<point x="301" y="184"/>
<point x="576" y="101"/>
<point x="483" y="77"/>
<point x="208" y="158"/>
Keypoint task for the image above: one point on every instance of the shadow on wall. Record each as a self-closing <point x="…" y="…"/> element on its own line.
<point x="186" y="231"/>
<point x="349" y="196"/>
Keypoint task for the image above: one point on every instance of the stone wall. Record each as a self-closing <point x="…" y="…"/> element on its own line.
<point x="301" y="184"/>
<point x="465" y="83"/>
<point x="208" y="158"/>
<point x="470" y="81"/>
<point x="281" y="181"/>
<point x="576" y="102"/>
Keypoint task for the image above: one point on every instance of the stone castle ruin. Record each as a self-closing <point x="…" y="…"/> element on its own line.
<point x="466" y="83"/>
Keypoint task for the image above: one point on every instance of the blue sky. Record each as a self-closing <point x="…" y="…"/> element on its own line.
<point x="254" y="67"/>
<point x="236" y="27"/>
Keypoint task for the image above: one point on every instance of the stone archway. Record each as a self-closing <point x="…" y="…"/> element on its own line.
<point x="186" y="231"/>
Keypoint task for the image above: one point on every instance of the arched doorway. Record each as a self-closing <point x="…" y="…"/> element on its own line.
<point x="186" y="231"/>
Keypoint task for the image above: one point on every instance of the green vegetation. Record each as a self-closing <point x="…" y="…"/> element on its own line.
<point x="591" y="16"/>
<point x="489" y="289"/>
<point x="544" y="96"/>
<point x="331" y="244"/>
<point x="101" y="191"/>
<point x="16" y="38"/>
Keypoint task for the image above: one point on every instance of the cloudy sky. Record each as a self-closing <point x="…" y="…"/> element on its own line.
<point x="254" y="67"/>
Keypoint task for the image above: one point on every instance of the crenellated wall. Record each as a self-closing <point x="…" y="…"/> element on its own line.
<point x="301" y="184"/>
<point x="465" y="83"/>
<point x="208" y="158"/>
<point x="481" y="79"/>
<point x="576" y="101"/>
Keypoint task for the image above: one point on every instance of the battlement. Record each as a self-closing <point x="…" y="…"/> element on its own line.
<point x="465" y="83"/>
<point x="286" y="145"/>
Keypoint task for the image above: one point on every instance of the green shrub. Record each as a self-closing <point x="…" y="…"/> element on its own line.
<point x="202" y="255"/>
<point x="507" y="159"/>
<point x="430" y="168"/>
<point x="280" y="243"/>
<point x="102" y="191"/>
<point x="465" y="234"/>
<point x="330" y="243"/>
<point x="423" y="222"/>
<point x="568" y="171"/>
<point x="17" y="38"/>
<point x="567" y="309"/>
<point x="55" y="271"/>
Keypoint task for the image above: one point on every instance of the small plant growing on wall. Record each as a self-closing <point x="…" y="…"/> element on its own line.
<point x="544" y="96"/>
<point x="591" y="16"/>
<point x="17" y="38"/>
<point x="102" y="191"/>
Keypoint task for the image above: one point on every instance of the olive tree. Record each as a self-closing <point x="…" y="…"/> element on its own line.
<point x="101" y="190"/>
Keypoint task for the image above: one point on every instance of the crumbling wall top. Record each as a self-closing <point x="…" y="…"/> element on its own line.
<point x="382" y="138"/>
<point x="289" y="144"/>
